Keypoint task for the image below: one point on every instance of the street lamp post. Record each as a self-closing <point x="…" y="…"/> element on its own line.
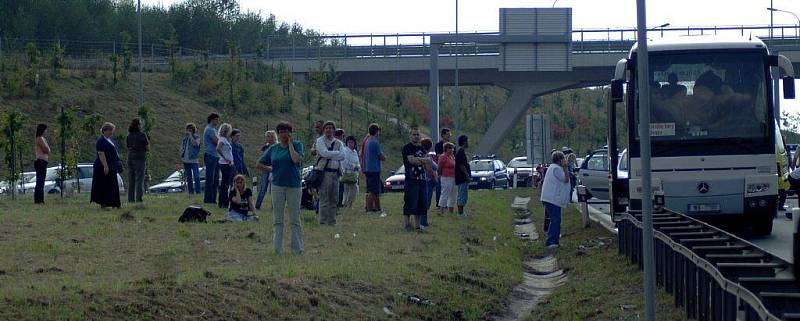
<point x="772" y="9"/>
<point x="141" y="84"/>
<point x="458" y="92"/>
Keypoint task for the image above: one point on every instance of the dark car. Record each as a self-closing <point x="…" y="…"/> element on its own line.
<point x="488" y="173"/>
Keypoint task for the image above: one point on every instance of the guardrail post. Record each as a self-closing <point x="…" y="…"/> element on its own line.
<point x="796" y="244"/>
<point x="680" y="280"/>
<point x="691" y="289"/>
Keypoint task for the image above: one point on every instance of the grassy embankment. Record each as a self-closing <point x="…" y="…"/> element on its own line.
<point x="69" y="260"/>
<point x="602" y="284"/>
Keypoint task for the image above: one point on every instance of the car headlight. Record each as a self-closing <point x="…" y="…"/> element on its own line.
<point x="757" y="187"/>
<point x="175" y="190"/>
<point x="483" y="179"/>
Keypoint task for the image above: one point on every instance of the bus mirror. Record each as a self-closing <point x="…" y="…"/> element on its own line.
<point x="616" y="90"/>
<point x="788" y="87"/>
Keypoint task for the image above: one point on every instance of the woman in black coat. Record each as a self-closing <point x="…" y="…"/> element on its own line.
<point x="105" y="190"/>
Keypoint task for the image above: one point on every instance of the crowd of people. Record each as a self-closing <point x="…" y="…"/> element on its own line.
<point x="338" y="162"/>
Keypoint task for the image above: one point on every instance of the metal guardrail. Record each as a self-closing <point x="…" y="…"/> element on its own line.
<point x="711" y="273"/>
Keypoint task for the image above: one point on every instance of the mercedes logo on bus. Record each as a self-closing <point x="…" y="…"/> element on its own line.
<point x="703" y="187"/>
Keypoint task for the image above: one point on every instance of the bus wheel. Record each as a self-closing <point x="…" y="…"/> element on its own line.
<point x="762" y="225"/>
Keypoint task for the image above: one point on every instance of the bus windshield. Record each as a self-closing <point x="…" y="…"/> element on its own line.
<point x="708" y="96"/>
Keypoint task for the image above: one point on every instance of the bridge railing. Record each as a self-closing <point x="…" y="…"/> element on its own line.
<point x="401" y="44"/>
<point x="583" y="41"/>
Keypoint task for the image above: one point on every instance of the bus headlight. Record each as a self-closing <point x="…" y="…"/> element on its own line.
<point x="757" y="187"/>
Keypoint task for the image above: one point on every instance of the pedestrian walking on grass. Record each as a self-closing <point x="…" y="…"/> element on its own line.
<point x="190" y="152"/>
<point x="138" y="145"/>
<point x="555" y="195"/>
<point x="225" y="163"/>
<point x="265" y="177"/>
<point x="414" y="190"/>
<point x="40" y="164"/>
<point x="463" y="174"/>
<point x="211" y="158"/>
<point x="329" y="158"/>
<point x="284" y="161"/>
<point x="105" y="188"/>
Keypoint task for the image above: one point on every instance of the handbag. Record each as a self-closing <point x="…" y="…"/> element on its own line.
<point x="314" y="178"/>
<point x="349" y="178"/>
<point x="116" y="166"/>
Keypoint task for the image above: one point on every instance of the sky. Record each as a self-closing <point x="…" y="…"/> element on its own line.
<point x="412" y="16"/>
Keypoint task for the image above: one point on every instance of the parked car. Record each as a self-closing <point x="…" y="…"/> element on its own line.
<point x="27" y="177"/>
<point x="488" y="173"/>
<point x="176" y="183"/>
<point x="525" y="174"/>
<point x="396" y="180"/>
<point x="593" y="172"/>
<point x="84" y="183"/>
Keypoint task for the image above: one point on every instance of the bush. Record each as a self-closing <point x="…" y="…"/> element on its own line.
<point x="181" y="74"/>
<point x="243" y="94"/>
<point x="207" y="86"/>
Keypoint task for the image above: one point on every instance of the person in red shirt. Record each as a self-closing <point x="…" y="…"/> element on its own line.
<point x="447" y="168"/>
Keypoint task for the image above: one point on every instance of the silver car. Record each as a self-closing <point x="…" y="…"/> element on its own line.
<point x="594" y="175"/>
<point x="83" y="183"/>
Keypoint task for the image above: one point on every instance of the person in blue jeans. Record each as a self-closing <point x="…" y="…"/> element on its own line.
<point x="190" y="152"/>
<point x="555" y="196"/>
<point x="211" y="158"/>
<point x="265" y="177"/>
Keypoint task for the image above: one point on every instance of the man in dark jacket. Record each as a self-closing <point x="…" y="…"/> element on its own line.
<point x="137" y="144"/>
<point x="463" y="174"/>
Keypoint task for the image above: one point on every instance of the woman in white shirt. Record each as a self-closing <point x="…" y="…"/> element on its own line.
<point x="555" y="195"/>
<point x="350" y="168"/>
<point x="225" y="151"/>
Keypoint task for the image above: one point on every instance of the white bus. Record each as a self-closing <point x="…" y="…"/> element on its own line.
<point x="712" y="128"/>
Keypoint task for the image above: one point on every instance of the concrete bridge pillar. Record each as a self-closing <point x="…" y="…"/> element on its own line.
<point x="513" y="109"/>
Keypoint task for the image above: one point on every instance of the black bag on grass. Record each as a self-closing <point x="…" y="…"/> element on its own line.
<point x="194" y="214"/>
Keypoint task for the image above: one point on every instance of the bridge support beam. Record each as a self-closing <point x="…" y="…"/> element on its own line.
<point x="433" y="91"/>
<point x="513" y="109"/>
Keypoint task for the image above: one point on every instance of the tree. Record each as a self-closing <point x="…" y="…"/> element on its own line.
<point x="67" y="145"/>
<point x="127" y="55"/>
<point x="11" y="122"/>
<point x="114" y="67"/>
<point x="56" y="59"/>
<point x="172" y="43"/>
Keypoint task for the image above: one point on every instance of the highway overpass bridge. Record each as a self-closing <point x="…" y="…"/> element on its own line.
<point x="363" y="63"/>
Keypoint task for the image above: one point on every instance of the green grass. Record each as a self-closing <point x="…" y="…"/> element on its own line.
<point x="602" y="284"/>
<point x="69" y="260"/>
